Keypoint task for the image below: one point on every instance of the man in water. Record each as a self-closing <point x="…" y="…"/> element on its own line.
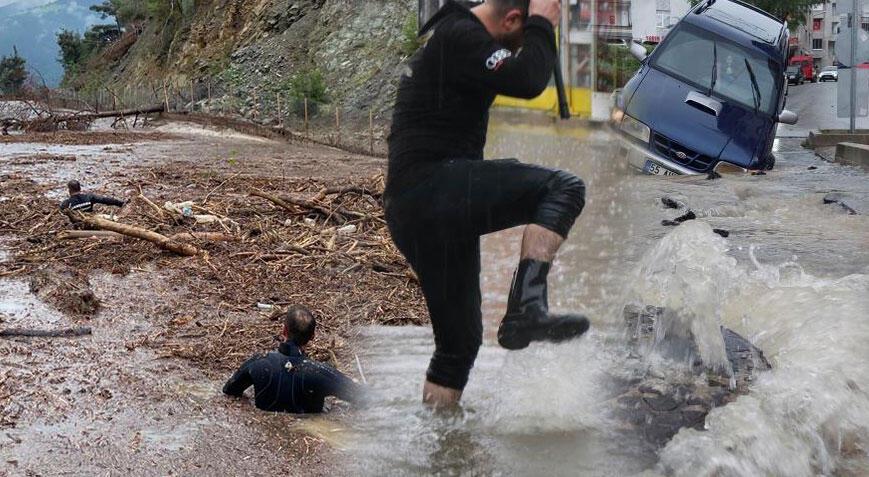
<point x="83" y="202"/>
<point x="288" y="381"/>
<point x="441" y="196"/>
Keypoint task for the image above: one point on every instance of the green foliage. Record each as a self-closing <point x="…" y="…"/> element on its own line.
<point x="615" y="65"/>
<point x="409" y="39"/>
<point x="308" y="84"/>
<point x="72" y="49"/>
<point x="13" y="73"/>
<point x="129" y="12"/>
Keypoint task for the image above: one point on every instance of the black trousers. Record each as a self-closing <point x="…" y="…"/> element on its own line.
<point x="436" y="215"/>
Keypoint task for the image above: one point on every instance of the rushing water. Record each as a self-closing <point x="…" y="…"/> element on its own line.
<point x="793" y="277"/>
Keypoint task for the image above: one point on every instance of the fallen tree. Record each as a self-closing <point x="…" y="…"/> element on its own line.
<point x="45" y="121"/>
<point x="160" y="240"/>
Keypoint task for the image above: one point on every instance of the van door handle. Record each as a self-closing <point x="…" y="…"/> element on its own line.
<point x="704" y="103"/>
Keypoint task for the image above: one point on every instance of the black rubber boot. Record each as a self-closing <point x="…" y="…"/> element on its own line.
<point x="528" y="317"/>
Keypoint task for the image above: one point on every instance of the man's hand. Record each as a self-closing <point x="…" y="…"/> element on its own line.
<point x="548" y="9"/>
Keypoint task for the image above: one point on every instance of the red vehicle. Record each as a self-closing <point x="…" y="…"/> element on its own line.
<point x="807" y="65"/>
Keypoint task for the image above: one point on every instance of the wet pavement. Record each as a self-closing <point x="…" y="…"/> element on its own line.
<point x="792" y="277"/>
<point x="816" y="105"/>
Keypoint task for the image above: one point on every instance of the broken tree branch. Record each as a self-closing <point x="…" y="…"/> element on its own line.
<point x="59" y="333"/>
<point x="160" y="240"/>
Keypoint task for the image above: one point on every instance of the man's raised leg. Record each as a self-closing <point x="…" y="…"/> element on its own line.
<point x="528" y="318"/>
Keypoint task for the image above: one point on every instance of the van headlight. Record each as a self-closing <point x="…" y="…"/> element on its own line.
<point x="635" y="128"/>
<point x="727" y="168"/>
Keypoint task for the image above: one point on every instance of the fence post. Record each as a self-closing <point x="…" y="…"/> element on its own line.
<point x="166" y="95"/>
<point x="280" y="113"/>
<point x="192" y="97"/>
<point x="337" y="125"/>
<point x="307" y="132"/>
<point x="371" y="131"/>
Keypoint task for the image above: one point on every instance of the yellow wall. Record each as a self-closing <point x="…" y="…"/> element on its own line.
<point x="579" y="100"/>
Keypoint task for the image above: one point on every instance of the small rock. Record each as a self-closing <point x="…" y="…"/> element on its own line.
<point x="671" y="203"/>
<point x="722" y="232"/>
<point x="811" y="168"/>
<point x="839" y="198"/>
<point x="713" y="175"/>
<point x="678" y="220"/>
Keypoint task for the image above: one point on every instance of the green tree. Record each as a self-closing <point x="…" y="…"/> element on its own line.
<point x="13" y="73"/>
<point x="794" y="11"/>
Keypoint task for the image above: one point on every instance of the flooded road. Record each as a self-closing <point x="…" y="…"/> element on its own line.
<point x="792" y="277"/>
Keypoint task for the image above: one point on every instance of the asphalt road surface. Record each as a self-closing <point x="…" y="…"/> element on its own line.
<point x="815" y="103"/>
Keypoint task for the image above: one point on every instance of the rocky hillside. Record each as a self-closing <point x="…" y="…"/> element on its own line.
<point x="246" y="52"/>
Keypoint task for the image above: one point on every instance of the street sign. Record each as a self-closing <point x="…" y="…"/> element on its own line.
<point x="843" y="94"/>
<point x="843" y="44"/>
<point x="852" y="50"/>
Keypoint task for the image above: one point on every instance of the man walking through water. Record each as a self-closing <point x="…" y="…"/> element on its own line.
<point x="441" y="196"/>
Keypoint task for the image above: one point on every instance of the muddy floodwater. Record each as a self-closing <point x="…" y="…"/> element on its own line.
<point x="792" y="277"/>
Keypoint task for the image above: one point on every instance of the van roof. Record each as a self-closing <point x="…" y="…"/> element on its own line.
<point x="742" y="23"/>
<point x="746" y="18"/>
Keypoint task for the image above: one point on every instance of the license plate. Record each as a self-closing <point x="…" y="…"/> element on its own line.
<point x="657" y="170"/>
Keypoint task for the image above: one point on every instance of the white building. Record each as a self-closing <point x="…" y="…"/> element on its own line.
<point x="652" y="19"/>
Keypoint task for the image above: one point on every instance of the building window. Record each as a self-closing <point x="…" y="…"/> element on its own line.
<point x="662" y="19"/>
<point x="580" y="14"/>
<point x="818" y="44"/>
<point x="835" y="28"/>
<point x="865" y="26"/>
<point x="817" y="24"/>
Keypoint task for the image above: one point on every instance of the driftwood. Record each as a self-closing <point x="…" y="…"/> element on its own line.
<point x="136" y="232"/>
<point x="58" y="333"/>
<point x="203" y="236"/>
<point x="340" y="214"/>
<point x="79" y="234"/>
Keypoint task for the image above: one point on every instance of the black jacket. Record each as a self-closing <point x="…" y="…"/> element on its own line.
<point x="286" y="380"/>
<point x="85" y="202"/>
<point x="442" y="107"/>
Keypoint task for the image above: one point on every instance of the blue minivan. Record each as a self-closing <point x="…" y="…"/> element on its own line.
<point x="710" y="96"/>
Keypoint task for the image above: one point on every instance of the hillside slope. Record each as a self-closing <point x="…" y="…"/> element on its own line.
<point x="248" y="51"/>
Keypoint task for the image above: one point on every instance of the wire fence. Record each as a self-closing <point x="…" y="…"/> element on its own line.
<point x="273" y="111"/>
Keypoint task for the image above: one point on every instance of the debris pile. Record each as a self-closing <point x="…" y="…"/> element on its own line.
<point x="264" y="241"/>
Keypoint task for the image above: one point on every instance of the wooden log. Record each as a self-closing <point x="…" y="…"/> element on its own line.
<point x="136" y="232"/>
<point x="79" y="234"/>
<point x="303" y="203"/>
<point x="58" y="333"/>
<point x="203" y="236"/>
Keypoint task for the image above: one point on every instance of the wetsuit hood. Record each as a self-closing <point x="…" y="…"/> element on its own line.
<point x="448" y="9"/>
<point x="291" y="349"/>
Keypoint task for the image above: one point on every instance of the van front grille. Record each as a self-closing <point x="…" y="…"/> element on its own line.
<point x="680" y="154"/>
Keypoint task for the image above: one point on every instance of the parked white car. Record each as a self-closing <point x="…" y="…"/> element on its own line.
<point x="829" y="73"/>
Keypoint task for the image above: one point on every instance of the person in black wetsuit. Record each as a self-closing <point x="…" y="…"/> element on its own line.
<point x="83" y="202"/>
<point x="441" y="196"/>
<point x="288" y="381"/>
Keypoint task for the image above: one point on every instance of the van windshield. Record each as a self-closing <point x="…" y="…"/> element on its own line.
<point x="711" y="63"/>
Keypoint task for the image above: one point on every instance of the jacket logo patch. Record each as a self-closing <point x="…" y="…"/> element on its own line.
<point x="497" y="59"/>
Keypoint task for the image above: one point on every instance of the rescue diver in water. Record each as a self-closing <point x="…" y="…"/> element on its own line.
<point x="441" y="196"/>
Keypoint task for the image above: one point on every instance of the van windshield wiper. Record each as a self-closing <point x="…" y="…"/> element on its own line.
<point x="755" y="89"/>
<point x="714" y="67"/>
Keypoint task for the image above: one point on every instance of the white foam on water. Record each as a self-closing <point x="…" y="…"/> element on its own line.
<point x="809" y="415"/>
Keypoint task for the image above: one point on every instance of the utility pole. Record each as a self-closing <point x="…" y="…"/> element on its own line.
<point x="856" y="24"/>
